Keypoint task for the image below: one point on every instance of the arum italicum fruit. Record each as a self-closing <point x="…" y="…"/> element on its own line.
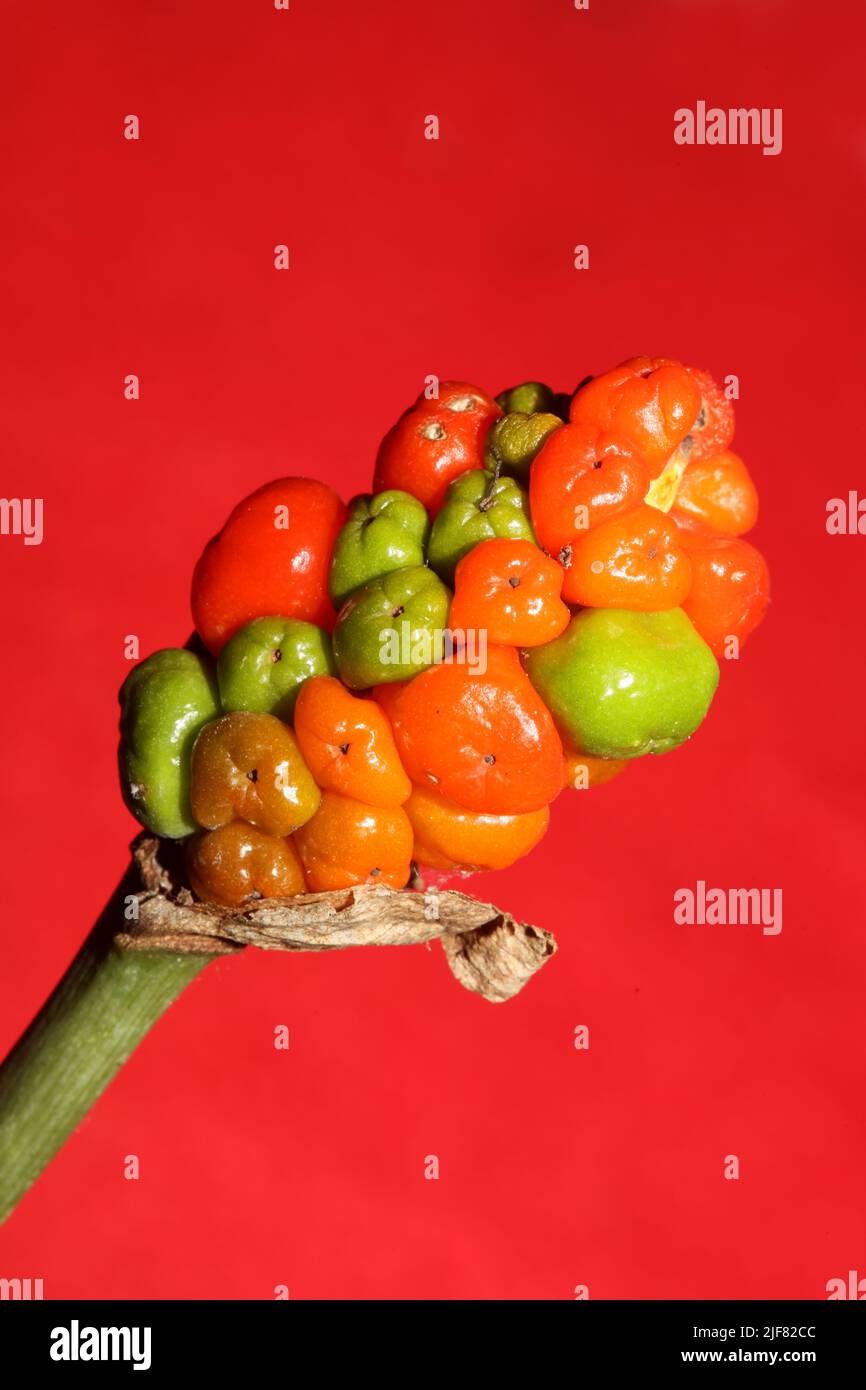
<point x="275" y="754"/>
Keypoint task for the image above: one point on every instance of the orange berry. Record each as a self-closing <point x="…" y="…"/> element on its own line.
<point x="349" y="842"/>
<point x="653" y="401"/>
<point x="636" y="561"/>
<point x="510" y="590"/>
<point x="730" y="588"/>
<point x="448" y="836"/>
<point x="581" y="478"/>
<point x="481" y="737"/>
<point x="719" y="492"/>
<point x="434" y="442"/>
<point x="348" y="745"/>
<point x="582" y="770"/>
<point x="228" y="864"/>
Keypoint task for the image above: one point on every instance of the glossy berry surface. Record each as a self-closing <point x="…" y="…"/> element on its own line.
<point x="348" y="745"/>
<point x="510" y="590"/>
<point x="637" y="561"/>
<point x="248" y="767"/>
<point x="536" y="591"/>
<point x="651" y="401"/>
<point x="730" y="589"/>
<point x="447" y="836"/>
<point x="229" y="864"/>
<point x="434" y="442"/>
<point x="621" y="684"/>
<point x="271" y="557"/>
<point x="482" y="738"/>
<point x="263" y="667"/>
<point x="349" y="841"/>
<point x="719" y="492"/>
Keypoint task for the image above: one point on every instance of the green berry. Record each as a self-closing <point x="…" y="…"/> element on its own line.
<point x="384" y="532"/>
<point x="164" y="702"/>
<point x="514" y="440"/>
<point x="477" y="507"/>
<point x="620" y="684"/>
<point x="392" y="628"/>
<point x="262" y="668"/>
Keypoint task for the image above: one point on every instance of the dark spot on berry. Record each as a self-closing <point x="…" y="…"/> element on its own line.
<point x="702" y="419"/>
<point x="565" y="556"/>
<point x="374" y="872"/>
<point x="276" y="654"/>
<point x="397" y="611"/>
<point x="514" y="582"/>
<point x="489" y="758"/>
<point x="253" y="776"/>
<point x="597" y="463"/>
<point x="344" y="747"/>
<point x="651" y="554"/>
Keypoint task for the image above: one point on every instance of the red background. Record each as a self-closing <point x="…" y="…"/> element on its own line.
<point x="558" y="1167"/>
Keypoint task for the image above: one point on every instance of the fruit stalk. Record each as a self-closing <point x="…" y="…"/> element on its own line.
<point x="128" y="972"/>
<point x="104" y="1005"/>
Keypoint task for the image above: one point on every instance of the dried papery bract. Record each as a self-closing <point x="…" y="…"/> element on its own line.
<point x="488" y="951"/>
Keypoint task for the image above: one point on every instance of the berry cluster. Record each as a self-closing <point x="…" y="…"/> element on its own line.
<point x="535" y="592"/>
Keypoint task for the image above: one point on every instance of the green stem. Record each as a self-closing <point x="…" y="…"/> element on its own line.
<point x="105" y="1004"/>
